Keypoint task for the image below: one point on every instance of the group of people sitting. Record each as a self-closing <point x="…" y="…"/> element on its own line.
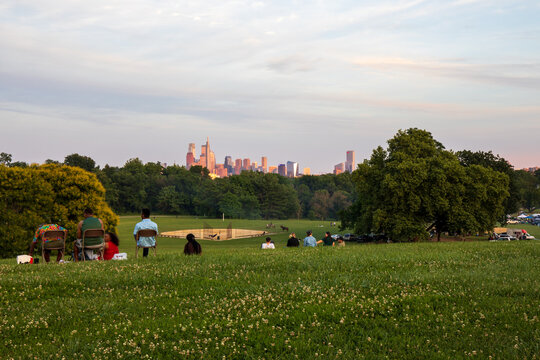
<point x="110" y="240"/>
<point x="309" y="241"/>
<point x="90" y="222"/>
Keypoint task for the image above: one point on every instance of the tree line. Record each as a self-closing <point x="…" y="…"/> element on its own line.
<point x="412" y="188"/>
<point x="178" y="191"/>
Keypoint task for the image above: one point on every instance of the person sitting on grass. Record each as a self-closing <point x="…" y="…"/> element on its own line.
<point x="293" y="241"/>
<point x="192" y="247"/>
<point x="328" y="240"/>
<point x="39" y="234"/>
<point x="111" y="246"/>
<point x="340" y="241"/>
<point x="309" y="240"/>
<point x="268" y="244"/>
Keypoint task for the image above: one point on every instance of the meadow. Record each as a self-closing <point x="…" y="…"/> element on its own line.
<point x="443" y="300"/>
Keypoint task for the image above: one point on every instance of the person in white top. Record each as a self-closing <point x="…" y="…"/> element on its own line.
<point x="268" y="244"/>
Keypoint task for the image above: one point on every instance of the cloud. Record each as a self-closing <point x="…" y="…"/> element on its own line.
<point x="520" y="75"/>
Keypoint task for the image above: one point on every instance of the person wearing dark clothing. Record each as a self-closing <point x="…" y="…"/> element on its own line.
<point x="327" y="240"/>
<point x="293" y="241"/>
<point x="192" y="247"/>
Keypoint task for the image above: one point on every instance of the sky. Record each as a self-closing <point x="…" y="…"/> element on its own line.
<point x="300" y="81"/>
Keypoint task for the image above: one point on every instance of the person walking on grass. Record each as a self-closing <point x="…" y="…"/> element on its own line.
<point x="309" y="240"/>
<point x="145" y="242"/>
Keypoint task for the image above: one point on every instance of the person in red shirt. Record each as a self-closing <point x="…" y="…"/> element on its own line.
<point x="111" y="246"/>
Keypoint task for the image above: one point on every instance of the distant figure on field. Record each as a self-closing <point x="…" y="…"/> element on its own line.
<point x="39" y="234"/>
<point x="90" y="222"/>
<point x="293" y="241"/>
<point x="145" y="224"/>
<point x="340" y="241"/>
<point x="192" y="247"/>
<point x="328" y="240"/>
<point x="268" y="244"/>
<point x="111" y="246"/>
<point x="309" y="240"/>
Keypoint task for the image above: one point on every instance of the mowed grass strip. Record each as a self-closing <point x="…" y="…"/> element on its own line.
<point x="411" y="301"/>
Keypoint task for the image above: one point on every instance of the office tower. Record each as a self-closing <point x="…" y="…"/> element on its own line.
<point x="237" y="166"/>
<point x="264" y="164"/>
<point x="282" y="170"/>
<point x="209" y="157"/>
<point x="191" y="149"/>
<point x="339" y="168"/>
<point x="307" y="171"/>
<point x="228" y="164"/>
<point x="349" y="164"/>
<point x="272" y="169"/>
<point x="190" y="160"/>
<point x="254" y="166"/>
<point x="292" y="169"/>
<point x="221" y="170"/>
<point x="246" y="164"/>
<point x="211" y="161"/>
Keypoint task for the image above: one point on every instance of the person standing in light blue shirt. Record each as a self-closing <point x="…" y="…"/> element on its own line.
<point x="309" y="240"/>
<point x="145" y="224"/>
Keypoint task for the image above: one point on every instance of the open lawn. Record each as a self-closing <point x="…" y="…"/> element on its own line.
<point x="414" y="301"/>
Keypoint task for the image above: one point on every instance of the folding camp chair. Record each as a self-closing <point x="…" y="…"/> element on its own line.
<point x="93" y="233"/>
<point x="53" y="240"/>
<point x="145" y="233"/>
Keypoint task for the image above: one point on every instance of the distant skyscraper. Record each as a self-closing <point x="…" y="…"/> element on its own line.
<point x="191" y="149"/>
<point x="246" y="164"/>
<point x="190" y="160"/>
<point x="237" y="166"/>
<point x="272" y="169"/>
<point x="339" y="168"/>
<point x="307" y="171"/>
<point x="190" y="156"/>
<point x="228" y="164"/>
<point x="292" y="169"/>
<point x="282" y="170"/>
<point x="264" y="164"/>
<point x="349" y="164"/>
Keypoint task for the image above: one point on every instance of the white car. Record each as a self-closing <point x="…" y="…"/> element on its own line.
<point x="529" y="237"/>
<point x="505" y="236"/>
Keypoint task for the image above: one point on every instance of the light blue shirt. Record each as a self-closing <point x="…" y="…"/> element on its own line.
<point x="146" y="224"/>
<point x="310" y="241"/>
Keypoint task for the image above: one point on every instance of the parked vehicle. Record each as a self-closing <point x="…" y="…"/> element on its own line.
<point x="529" y="237"/>
<point x="350" y="237"/>
<point x="505" y="236"/>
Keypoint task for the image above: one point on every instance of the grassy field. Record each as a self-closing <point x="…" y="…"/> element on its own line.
<point x="169" y="223"/>
<point x="414" y="301"/>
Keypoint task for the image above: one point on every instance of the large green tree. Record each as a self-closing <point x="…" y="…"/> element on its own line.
<point x="416" y="186"/>
<point x="47" y="194"/>
<point x="489" y="160"/>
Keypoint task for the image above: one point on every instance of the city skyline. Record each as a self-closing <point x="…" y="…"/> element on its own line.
<point x="298" y="80"/>
<point x="232" y="166"/>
